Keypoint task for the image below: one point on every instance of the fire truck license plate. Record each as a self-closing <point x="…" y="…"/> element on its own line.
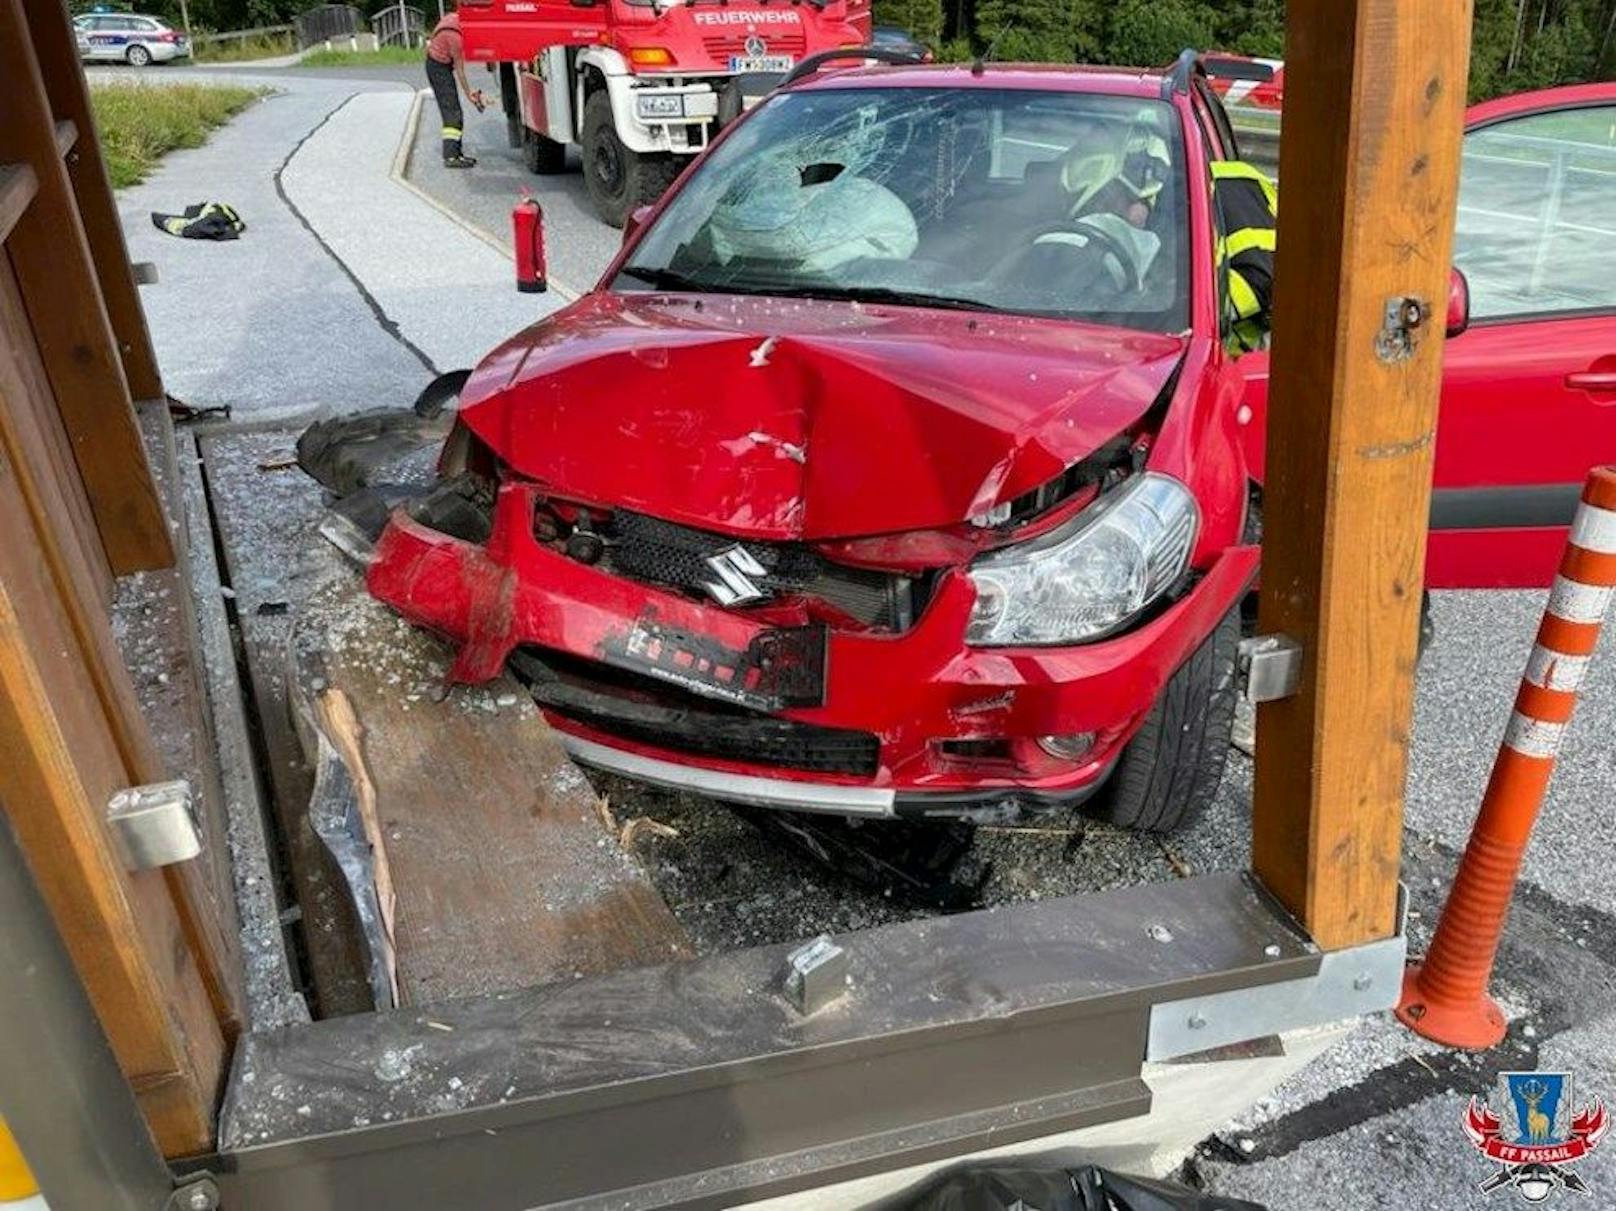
<point x="761" y="63"/>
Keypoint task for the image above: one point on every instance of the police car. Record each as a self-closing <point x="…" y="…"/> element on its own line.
<point x="128" y="38"/>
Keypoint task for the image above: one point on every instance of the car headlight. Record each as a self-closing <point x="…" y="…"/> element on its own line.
<point x="1089" y="577"/>
<point x="659" y="105"/>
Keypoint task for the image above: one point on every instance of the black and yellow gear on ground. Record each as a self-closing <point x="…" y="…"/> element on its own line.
<point x="204" y="221"/>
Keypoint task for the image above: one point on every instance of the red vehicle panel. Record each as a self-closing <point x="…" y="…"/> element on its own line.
<point x="647" y="403"/>
<point x="514" y="591"/>
<point x="1529" y="388"/>
<point x="699" y="39"/>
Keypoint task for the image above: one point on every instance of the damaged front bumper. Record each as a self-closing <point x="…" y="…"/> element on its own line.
<point x="657" y="686"/>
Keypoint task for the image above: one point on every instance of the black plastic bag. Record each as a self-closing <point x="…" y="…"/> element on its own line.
<point x="1089" y="1188"/>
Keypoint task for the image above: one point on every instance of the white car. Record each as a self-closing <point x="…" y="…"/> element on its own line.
<point x="128" y="38"/>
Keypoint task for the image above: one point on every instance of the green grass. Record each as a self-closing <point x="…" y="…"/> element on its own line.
<point x="242" y="50"/>
<point x="140" y="123"/>
<point x="363" y="58"/>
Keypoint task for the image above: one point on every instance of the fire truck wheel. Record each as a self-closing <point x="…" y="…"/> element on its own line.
<point x="1171" y="768"/>
<point x="619" y="180"/>
<point x="542" y="155"/>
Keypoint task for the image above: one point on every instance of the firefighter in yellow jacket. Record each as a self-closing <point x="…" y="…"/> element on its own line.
<point x="1248" y="207"/>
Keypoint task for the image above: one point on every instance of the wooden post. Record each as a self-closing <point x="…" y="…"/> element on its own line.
<point x="59" y="764"/>
<point x="1369" y="163"/>
<point x="52" y="260"/>
<point x="57" y="51"/>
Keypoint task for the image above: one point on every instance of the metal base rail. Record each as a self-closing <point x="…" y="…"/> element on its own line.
<point x="699" y="1085"/>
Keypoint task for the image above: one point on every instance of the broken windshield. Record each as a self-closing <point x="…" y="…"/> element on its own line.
<point x="1042" y="203"/>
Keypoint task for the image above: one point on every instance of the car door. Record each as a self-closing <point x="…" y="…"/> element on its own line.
<point x="1529" y="389"/>
<point x="101" y="39"/>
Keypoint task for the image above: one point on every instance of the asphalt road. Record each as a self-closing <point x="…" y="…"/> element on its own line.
<point x="578" y="244"/>
<point x="279" y="323"/>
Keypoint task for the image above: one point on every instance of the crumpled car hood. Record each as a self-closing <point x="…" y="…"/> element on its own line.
<point x="805" y="419"/>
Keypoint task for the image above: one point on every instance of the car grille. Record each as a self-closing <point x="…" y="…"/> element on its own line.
<point x="675" y="556"/>
<point x="638" y="709"/>
<point x="778" y="40"/>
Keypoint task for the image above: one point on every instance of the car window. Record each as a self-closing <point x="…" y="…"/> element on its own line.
<point x="1537" y="214"/>
<point x="1219" y="117"/>
<point x="1045" y="203"/>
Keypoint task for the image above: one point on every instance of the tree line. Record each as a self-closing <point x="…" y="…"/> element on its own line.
<point x="1516" y="44"/>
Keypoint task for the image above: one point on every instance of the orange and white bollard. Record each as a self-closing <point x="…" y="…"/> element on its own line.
<point x="17" y="1187"/>
<point x="1445" y="998"/>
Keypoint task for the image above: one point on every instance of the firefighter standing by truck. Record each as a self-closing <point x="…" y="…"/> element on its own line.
<point x="446" y="73"/>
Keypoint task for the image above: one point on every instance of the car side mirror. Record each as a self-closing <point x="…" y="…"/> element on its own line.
<point x="1458" y="302"/>
<point x="636" y="220"/>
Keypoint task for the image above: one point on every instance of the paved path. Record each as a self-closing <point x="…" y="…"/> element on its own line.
<point x="579" y="245"/>
<point x="347" y="289"/>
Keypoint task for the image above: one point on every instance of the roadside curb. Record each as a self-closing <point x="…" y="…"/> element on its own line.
<point x="400" y="174"/>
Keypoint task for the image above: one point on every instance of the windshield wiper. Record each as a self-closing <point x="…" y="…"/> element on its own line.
<point x="672" y="279"/>
<point x="668" y="279"/>
<point x="888" y="294"/>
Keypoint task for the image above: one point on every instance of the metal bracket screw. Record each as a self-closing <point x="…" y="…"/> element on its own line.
<point x="202" y="1194"/>
<point x="155" y="825"/>
<point x="1400" y="328"/>
<point x="1270" y="667"/>
<point x="816" y="974"/>
<point x="1197" y="1022"/>
<point x="1160" y="933"/>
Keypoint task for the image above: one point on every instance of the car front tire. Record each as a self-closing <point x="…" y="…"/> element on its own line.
<point x="138" y="56"/>
<point x="1171" y="769"/>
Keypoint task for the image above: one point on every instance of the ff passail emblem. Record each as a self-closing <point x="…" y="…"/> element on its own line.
<point x="1536" y="1134"/>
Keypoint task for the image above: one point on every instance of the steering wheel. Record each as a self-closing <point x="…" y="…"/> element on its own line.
<point x="1098" y="239"/>
<point x="1122" y="253"/>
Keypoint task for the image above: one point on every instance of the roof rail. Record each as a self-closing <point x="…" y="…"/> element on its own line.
<point x="882" y="54"/>
<point x="1236" y="67"/>
<point x="1179" y="74"/>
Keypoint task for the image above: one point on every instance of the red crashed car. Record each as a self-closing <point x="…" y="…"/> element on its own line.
<point x="1529" y="369"/>
<point x="895" y="468"/>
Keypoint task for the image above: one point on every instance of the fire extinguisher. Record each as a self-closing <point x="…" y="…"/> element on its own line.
<point x="527" y="223"/>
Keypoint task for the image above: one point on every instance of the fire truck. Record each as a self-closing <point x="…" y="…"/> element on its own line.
<point x="641" y="85"/>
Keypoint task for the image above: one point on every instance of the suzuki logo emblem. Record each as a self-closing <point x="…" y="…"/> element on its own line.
<point x="756" y="46"/>
<point x="733" y="567"/>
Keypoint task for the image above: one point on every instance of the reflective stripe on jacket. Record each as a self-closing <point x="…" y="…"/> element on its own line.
<point x="1249" y="204"/>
